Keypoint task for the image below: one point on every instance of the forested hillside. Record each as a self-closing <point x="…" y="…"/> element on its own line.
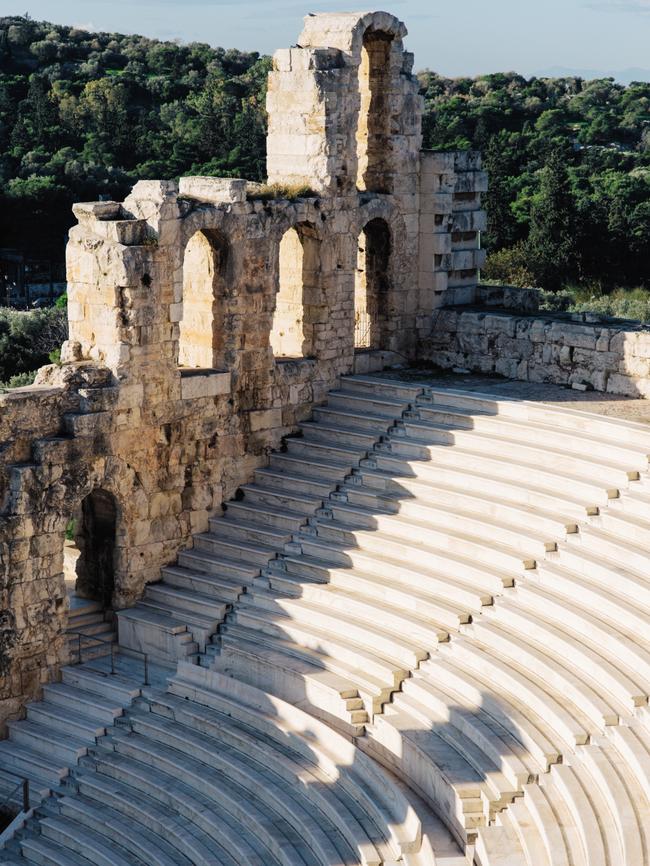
<point x="86" y="114"/>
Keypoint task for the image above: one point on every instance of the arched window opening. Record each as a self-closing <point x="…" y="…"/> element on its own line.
<point x="93" y="548"/>
<point x="292" y="328"/>
<point x="201" y="340"/>
<point x="373" y="127"/>
<point x="371" y="284"/>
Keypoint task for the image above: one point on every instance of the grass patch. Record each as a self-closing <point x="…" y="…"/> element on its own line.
<point x="272" y="191"/>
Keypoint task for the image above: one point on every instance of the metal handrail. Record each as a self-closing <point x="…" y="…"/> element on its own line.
<point x="126" y="650"/>
<point x="24" y="784"/>
<point x="79" y="635"/>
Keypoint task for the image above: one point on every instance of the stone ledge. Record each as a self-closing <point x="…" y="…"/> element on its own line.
<point x="197" y="383"/>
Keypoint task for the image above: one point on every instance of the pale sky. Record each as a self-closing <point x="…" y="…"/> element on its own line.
<point x="468" y="37"/>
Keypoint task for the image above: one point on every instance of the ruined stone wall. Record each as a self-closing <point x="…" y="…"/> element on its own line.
<point x="607" y="356"/>
<point x="194" y="349"/>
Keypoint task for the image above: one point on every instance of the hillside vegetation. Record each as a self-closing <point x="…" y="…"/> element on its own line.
<point x="84" y="115"/>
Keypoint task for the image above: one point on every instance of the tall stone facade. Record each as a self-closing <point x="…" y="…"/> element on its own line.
<point x="196" y="344"/>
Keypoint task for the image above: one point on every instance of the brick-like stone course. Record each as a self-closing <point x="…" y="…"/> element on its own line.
<point x="608" y="356"/>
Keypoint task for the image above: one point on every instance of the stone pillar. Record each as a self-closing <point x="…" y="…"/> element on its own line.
<point x="450" y="225"/>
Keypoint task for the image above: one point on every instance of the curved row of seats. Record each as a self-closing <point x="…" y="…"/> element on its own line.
<point x="213" y="772"/>
<point x="457" y="585"/>
<point x="404" y="581"/>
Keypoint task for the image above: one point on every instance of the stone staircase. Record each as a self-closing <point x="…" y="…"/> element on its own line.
<point x="432" y="602"/>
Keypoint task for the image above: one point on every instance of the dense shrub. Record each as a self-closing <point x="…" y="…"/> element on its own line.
<point x="28" y="338"/>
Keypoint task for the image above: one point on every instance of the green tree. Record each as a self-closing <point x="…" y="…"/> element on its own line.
<point x="551" y="242"/>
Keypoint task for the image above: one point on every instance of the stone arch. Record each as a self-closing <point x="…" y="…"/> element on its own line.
<point x="95" y="535"/>
<point x="201" y="331"/>
<point x="292" y="329"/>
<point x="373" y="129"/>
<point x="387" y="269"/>
<point x="371" y="284"/>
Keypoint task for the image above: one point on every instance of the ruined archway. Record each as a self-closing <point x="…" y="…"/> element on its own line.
<point x="201" y="338"/>
<point x="94" y="532"/>
<point x="374" y="169"/>
<point x="371" y="284"/>
<point x="292" y="327"/>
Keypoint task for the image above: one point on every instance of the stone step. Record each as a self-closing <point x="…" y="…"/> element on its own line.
<point x="540" y="742"/>
<point x="271" y="479"/>
<point x="429" y="438"/>
<point x="627" y="527"/>
<point x="94" y="706"/>
<point x="625" y="648"/>
<point x="64" y="747"/>
<point x="382" y="668"/>
<point x="374" y="404"/>
<point x="26" y="762"/>
<point x="223" y="589"/>
<point x="230" y="529"/>
<point x="529" y="515"/>
<point x="374" y="692"/>
<point x="500" y="747"/>
<point x="343" y="453"/>
<point x="598" y="542"/>
<point x="570" y="723"/>
<point x="443" y="601"/>
<point x="539" y="665"/>
<point x="182" y="601"/>
<point x="241" y="799"/>
<point x="390" y="572"/>
<point x="266" y="516"/>
<point x="354" y="419"/>
<point x="281" y="798"/>
<point x="457" y="753"/>
<point x="237" y="549"/>
<point x="49" y="853"/>
<point x="170" y="812"/>
<point x="186" y="841"/>
<point x="60" y="719"/>
<point x="633" y="502"/>
<point x="280" y="613"/>
<point x="599" y="569"/>
<point x="480" y="547"/>
<point x="340" y="436"/>
<point x="578" y="489"/>
<point x="623" y="798"/>
<point x="593" y="660"/>
<point x="330" y="471"/>
<point x="295" y="503"/>
<point x="294" y="767"/>
<point x="510" y="492"/>
<point x="536" y="538"/>
<point x="429" y="764"/>
<point x="500" y="846"/>
<point x="369" y="786"/>
<point x="539" y="433"/>
<point x="119" y="829"/>
<point x="115" y="687"/>
<point x="200" y="627"/>
<point x="371" y="386"/>
<point x="155" y="632"/>
<point x="325" y="694"/>
<point x="587" y="592"/>
<point x="87" y="621"/>
<point x="219" y="565"/>
<point x="383" y="614"/>
<point x="464" y="569"/>
<point x="590" y="423"/>
<point x="88" y="843"/>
